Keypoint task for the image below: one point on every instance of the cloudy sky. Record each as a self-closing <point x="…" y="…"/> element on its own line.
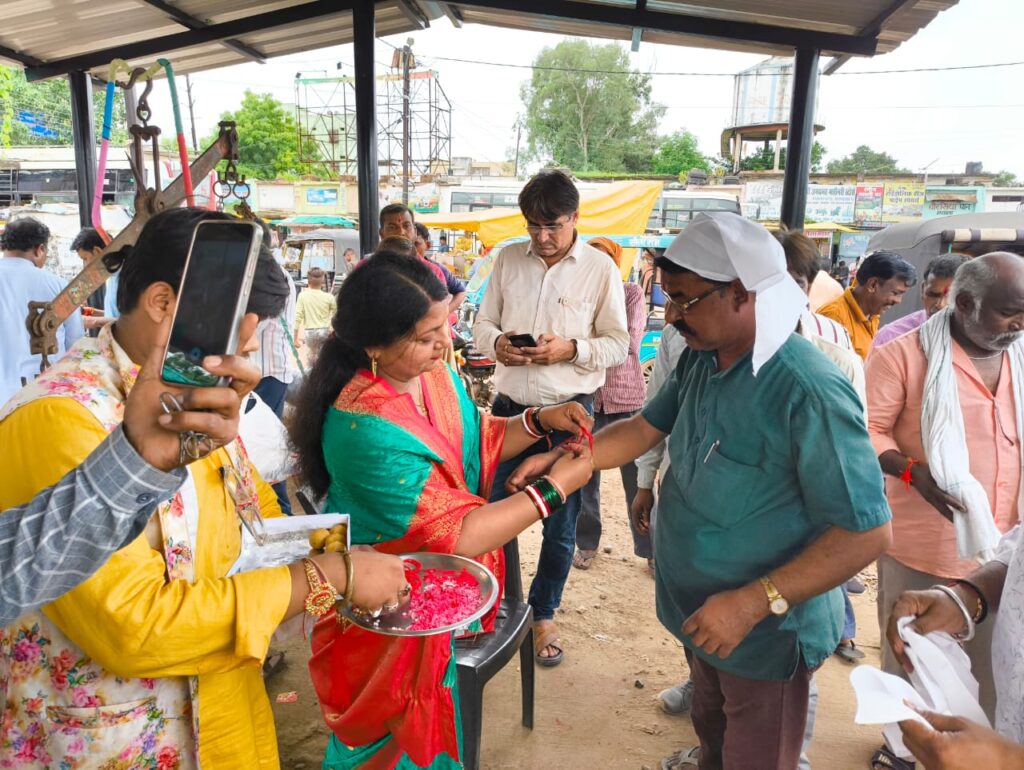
<point x="939" y="119"/>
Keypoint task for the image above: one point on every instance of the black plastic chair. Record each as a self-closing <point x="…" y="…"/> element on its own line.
<point x="478" y="659"/>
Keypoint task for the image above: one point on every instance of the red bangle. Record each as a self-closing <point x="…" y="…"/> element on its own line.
<point x="905" y="476"/>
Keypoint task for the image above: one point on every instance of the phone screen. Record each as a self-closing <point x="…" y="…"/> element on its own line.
<point x="207" y="316"/>
<point x="522" y="341"/>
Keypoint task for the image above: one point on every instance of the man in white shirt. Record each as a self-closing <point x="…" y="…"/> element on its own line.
<point x="275" y="361"/>
<point x="568" y="297"/>
<point x="24" y="243"/>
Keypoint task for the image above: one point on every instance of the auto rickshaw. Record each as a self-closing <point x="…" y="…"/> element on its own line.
<point x="323" y="248"/>
<point x="920" y="241"/>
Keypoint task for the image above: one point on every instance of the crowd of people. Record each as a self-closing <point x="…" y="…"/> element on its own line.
<point x="775" y="453"/>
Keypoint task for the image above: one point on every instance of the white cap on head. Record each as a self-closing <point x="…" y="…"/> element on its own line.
<point x="723" y="246"/>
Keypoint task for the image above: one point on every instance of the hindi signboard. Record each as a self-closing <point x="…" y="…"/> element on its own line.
<point x="902" y="201"/>
<point x="322" y="196"/>
<point x="830" y="202"/>
<point x="763" y="200"/>
<point x="868" y="208"/>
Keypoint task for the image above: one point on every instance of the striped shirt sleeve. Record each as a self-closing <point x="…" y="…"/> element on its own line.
<point x="68" y="531"/>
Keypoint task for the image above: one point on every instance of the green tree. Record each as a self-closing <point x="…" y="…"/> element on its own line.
<point x="268" y="144"/>
<point x="864" y="160"/>
<point x="764" y="159"/>
<point x="40" y="113"/>
<point x="1005" y="179"/>
<point x="6" y="106"/>
<point x="586" y="109"/>
<point x="678" y="154"/>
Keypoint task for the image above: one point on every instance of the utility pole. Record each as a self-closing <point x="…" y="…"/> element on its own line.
<point x="191" y="112"/>
<point x="519" y="133"/>
<point x="407" y="61"/>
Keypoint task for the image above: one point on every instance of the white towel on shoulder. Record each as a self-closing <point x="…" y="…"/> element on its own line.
<point x="945" y="440"/>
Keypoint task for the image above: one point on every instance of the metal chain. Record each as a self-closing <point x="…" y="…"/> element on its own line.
<point x="232" y="184"/>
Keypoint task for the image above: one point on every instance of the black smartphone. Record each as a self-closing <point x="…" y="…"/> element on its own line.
<point x="522" y="341"/>
<point x="212" y="298"/>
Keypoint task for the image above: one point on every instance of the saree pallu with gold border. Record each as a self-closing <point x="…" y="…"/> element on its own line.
<point x="408" y="482"/>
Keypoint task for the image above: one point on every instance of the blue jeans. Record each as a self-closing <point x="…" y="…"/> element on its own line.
<point x="850" y="622"/>
<point x="559" y="541"/>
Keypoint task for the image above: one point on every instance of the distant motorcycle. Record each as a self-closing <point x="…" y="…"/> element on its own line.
<point x="476" y="370"/>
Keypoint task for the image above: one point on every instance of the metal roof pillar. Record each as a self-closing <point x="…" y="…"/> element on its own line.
<point x="84" y="139"/>
<point x="363" y="32"/>
<point x="801" y="138"/>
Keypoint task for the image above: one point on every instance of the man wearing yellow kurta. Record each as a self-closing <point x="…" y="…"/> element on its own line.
<point x="155" y="660"/>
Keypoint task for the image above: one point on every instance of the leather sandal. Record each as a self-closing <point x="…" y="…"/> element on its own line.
<point x="545" y="634"/>
<point x="848" y="651"/>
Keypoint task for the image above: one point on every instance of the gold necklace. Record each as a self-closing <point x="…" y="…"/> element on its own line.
<point x="421" y="402"/>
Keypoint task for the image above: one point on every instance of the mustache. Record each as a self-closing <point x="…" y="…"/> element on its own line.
<point x="682" y="328"/>
<point x="1005" y="340"/>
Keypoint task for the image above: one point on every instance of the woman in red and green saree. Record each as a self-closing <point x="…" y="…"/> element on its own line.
<point x="386" y="431"/>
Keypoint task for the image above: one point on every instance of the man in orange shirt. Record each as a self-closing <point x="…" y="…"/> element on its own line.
<point x="985" y="319"/>
<point x="882" y="280"/>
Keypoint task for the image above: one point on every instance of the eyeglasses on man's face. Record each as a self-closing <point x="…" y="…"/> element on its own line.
<point x="551" y="229"/>
<point x="685" y="307"/>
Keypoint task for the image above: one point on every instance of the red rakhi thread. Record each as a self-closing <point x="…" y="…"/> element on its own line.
<point x="905" y="477"/>
<point x="589" y="436"/>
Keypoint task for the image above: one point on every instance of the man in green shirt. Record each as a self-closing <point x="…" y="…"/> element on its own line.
<point x="774" y="496"/>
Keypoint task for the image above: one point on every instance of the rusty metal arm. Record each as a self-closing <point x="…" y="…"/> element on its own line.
<point x="44" y="318"/>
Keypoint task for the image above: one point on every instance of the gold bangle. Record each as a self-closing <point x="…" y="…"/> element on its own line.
<point x="322" y="595"/>
<point x="350" y="578"/>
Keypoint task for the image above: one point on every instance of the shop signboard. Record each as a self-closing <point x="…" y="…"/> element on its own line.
<point x="825" y="203"/>
<point x="943" y="201"/>
<point x="830" y="202"/>
<point x="868" y="209"/>
<point x="763" y="200"/>
<point x="902" y="201"/>
<point x="423" y="198"/>
<point x="853" y="245"/>
<point x="322" y="196"/>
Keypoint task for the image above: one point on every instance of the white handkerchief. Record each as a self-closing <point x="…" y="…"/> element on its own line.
<point x="880" y="697"/>
<point x="942" y="682"/>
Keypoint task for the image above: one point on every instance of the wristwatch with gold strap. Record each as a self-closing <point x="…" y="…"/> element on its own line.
<point x="777" y="603"/>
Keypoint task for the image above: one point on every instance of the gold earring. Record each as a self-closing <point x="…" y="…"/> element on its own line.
<point x="373" y="366"/>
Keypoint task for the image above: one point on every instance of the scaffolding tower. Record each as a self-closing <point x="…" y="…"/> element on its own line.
<point x="414" y="116"/>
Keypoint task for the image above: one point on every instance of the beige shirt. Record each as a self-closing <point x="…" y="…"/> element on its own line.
<point x="315" y="309"/>
<point x="579" y="298"/>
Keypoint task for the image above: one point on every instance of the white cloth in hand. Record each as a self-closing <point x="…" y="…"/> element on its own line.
<point x="941" y="682"/>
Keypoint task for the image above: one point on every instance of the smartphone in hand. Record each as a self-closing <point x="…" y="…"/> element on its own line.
<point x="212" y="298"/>
<point x="522" y="341"/>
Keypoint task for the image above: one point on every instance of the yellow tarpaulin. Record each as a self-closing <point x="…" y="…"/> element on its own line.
<point x="620" y="208"/>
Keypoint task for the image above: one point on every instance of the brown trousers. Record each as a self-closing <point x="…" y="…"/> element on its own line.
<point x="749" y="724"/>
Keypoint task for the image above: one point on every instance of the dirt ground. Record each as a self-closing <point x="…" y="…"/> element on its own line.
<point x="598" y="709"/>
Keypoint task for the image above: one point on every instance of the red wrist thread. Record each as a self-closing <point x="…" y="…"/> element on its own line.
<point x="905" y="477"/>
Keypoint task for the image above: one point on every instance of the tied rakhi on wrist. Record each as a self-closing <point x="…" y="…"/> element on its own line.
<point x="577" y="441"/>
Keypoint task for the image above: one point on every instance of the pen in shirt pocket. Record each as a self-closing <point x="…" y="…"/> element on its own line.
<point x="714" y="448"/>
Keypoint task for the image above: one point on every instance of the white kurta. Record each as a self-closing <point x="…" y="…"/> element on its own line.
<point x="1007" y="649"/>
